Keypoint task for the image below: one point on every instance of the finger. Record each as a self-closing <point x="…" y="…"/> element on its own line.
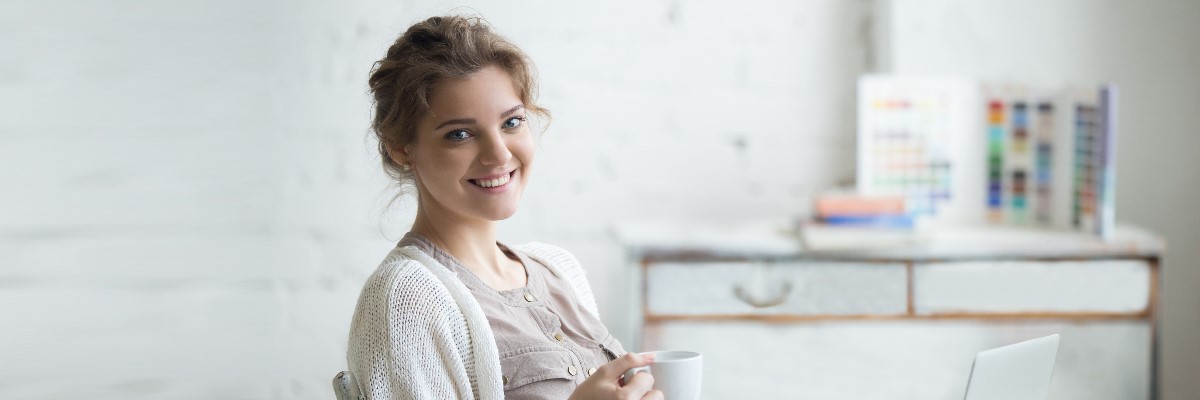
<point x="616" y="368"/>
<point x="640" y="384"/>
<point x="653" y="395"/>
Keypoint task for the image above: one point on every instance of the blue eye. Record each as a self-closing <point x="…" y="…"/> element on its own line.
<point x="513" y="122"/>
<point x="458" y="135"/>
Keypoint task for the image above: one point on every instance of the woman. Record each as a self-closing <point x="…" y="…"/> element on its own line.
<point x="451" y="312"/>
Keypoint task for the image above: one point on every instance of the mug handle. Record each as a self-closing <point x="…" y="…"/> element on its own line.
<point x="633" y="371"/>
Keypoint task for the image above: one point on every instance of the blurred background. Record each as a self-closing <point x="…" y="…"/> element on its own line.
<point x="192" y="198"/>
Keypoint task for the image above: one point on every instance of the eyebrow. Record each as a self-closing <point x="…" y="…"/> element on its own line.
<point x="464" y="121"/>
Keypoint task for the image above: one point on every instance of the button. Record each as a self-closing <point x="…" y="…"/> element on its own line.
<point x="571" y="370"/>
<point x="558" y="336"/>
<point x="529" y="297"/>
<point x="505" y="379"/>
<point x="591" y="371"/>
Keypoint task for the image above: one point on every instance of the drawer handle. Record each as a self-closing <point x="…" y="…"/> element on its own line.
<point x="742" y="294"/>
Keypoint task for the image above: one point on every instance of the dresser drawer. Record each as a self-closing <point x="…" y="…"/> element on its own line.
<point x="776" y="289"/>
<point x="1101" y="286"/>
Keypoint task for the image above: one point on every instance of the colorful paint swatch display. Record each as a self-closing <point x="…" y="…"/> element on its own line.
<point x="1043" y="164"/>
<point x="1050" y="175"/>
<point x="995" y="160"/>
<point x="1092" y="196"/>
<point x="919" y="138"/>
<point x="1018" y="187"/>
<point x="1020" y="131"/>
<point x="907" y="133"/>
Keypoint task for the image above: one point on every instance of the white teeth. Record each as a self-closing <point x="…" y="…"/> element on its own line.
<point x="490" y="183"/>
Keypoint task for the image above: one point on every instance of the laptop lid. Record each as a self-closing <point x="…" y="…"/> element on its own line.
<point x="1015" y="372"/>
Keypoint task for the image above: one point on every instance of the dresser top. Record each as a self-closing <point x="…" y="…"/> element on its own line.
<point x="780" y="240"/>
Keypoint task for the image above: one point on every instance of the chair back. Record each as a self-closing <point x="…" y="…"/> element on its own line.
<point x="345" y="388"/>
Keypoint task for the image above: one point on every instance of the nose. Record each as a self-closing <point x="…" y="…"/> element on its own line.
<point x="495" y="149"/>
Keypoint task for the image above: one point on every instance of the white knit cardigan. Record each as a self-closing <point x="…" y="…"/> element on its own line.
<point x="418" y="333"/>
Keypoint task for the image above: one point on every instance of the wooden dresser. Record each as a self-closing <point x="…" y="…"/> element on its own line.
<point x="778" y="320"/>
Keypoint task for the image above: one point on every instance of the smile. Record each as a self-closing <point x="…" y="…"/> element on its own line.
<point x="494" y="182"/>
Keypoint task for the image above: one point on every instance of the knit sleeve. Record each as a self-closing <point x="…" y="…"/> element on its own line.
<point x="409" y="339"/>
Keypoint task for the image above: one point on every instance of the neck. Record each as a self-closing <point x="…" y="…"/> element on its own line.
<point x="470" y="241"/>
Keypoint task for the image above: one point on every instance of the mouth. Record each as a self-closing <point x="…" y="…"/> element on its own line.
<point x="493" y="182"/>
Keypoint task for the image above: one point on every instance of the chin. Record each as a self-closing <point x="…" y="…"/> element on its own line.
<point x="499" y="214"/>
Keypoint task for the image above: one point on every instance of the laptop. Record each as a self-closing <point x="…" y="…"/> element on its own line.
<point x="1015" y="372"/>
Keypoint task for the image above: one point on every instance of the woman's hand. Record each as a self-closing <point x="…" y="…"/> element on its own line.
<point x="605" y="384"/>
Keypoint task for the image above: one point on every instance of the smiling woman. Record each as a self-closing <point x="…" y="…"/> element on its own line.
<point x="452" y="312"/>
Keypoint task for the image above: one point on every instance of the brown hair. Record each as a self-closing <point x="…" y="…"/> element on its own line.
<point x="428" y="52"/>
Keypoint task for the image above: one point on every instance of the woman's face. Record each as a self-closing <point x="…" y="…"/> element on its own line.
<point x="473" y="151"/>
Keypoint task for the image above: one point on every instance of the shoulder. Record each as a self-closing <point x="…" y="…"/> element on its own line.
<point x="403" y="285"/>
<point x="397" y="272"/>
<point x="404" y="302"/>
<point x="554" y="256"/>
<point x="565" y="265"/>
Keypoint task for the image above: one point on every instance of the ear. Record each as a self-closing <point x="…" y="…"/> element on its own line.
<point x="398" y="154"/>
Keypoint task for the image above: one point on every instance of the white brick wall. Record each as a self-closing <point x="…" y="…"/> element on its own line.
<point x="191" y="200"/>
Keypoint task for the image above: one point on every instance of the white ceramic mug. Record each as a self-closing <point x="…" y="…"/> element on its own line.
<point x="677" y="374"/>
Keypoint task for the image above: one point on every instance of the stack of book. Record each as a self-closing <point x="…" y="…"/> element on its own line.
<point x="858" y="210"/>
<point x="854" y="221"/>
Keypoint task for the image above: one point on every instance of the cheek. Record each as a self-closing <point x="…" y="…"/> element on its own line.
<point x="440" y="168"/>
<point x="524" y="148"/>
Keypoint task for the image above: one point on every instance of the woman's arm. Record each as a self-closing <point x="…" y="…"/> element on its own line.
<point x="409" y="339"/>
